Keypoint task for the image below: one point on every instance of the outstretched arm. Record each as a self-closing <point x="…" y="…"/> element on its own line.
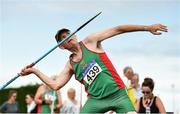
<point x="100" y="36"/>
<point x="61" y="80"/>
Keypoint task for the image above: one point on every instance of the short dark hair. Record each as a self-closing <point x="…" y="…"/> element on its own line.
<point x="148" y="82"/>
<point x="11" y="92"/>
<point x="31" y="95"/>
<point x="59" y="33"/>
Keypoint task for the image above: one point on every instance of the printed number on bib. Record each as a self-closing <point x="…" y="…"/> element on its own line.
<point x="91" y="71"/>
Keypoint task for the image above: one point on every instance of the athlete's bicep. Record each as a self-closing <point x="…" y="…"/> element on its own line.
<point x="100" y="36"/>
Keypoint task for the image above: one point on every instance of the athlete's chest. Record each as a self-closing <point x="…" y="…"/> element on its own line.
<point x="88" y="69"/>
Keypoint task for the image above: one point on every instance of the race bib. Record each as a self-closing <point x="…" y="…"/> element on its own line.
<point x="49" y="96"/>
<point x="91" y="71"/>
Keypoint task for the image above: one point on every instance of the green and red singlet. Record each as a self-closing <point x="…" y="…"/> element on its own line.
<point x="97" y="73"/>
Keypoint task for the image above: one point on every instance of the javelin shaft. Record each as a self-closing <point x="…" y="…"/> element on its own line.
<point x="10" y="81"/>
<point x="58" y="44"/>
<point x="65" y="39"/>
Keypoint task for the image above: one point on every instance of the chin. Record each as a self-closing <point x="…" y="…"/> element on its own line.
<point x="147" y="97"/>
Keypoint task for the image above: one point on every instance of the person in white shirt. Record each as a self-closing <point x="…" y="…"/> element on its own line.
<point x="71" y="106"/>
<point x="31" y="105"/>
<point x="136" y="86"/>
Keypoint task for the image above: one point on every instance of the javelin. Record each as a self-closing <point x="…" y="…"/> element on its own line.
<point x="58" y="44"/>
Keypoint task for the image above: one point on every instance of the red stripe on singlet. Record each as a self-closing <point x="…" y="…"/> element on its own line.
<point x="39" y="106"/>
<point x="112" y="70"/>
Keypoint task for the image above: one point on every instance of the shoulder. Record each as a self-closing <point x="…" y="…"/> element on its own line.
<point x="157" y="99"/>
<point x="90" y="38"/>
<point x="92" y="45"/>
<point x="87" y="41"/>
<point x="91" y="42"/>
<point x="41" y="88"/>
<point x="138" y="101"/>
<point x="4" y="104"/>
<point x="141" y="98"/>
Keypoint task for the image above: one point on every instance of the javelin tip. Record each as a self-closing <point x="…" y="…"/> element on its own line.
<point x="99" y="13"/>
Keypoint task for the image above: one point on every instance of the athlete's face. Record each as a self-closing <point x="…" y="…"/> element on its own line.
<point x="147" y="92"/>
<point x="69" y="43"/>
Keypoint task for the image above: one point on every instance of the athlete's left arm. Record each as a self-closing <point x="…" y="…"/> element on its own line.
<point x="155" y="29"/>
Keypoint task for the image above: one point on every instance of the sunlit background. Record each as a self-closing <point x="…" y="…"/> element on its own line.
<point x="28" y="28"/>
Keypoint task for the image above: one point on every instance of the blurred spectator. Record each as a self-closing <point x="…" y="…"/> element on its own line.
<point x="10" y="106"/>
<point x="71" y="105"/>
<point x="31" y="105"/>
<point x="149" y="103"/>
<point x="129" y="73"/>
<point x="48" y="100"/>
<point x="136" y="87"/>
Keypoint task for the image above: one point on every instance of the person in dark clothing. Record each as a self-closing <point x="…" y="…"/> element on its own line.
<point x="31" y="105"/>
<point x="149" y="103"/>
<point x="10" y="106"/>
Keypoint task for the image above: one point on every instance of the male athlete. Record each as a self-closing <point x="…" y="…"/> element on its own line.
<point x="91" y="66"/>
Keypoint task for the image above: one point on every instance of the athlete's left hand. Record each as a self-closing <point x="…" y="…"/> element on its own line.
<point x="157" y="27"/>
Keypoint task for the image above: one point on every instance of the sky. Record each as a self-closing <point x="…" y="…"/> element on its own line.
<point x="27" y="29"/>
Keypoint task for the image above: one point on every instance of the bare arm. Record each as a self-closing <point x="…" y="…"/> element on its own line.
<point x="160" y="105"/>
<point x="62" y="79"/>
<point x="59" y="104"/>
<point x="137" y="105"/>
<point x="38" y="94"/>
<point x="100" y="36"/>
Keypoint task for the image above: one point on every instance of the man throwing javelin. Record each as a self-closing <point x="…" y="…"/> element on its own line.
<point x="92" y="67"/>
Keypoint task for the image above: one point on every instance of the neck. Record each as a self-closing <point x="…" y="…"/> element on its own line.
<point x="11" y="101"/>
<point x="31" y="102"/>
<point x="150" y="97"/>
<point x="71" y="99"/>
<point x="76" y="49"/>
